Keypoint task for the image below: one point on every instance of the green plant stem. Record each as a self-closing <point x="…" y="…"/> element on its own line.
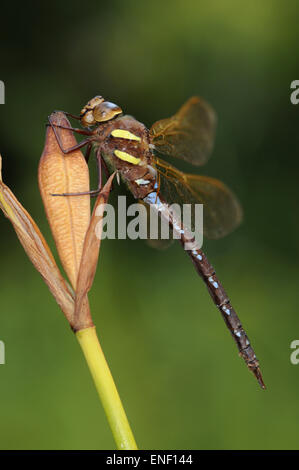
<point x="106" y="389"/>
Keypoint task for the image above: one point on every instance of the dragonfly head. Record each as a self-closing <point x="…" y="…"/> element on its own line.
<point x="98" y="110"/>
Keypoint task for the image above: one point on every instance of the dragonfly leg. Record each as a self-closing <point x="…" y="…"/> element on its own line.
<point x="73" y="129"/>
<point x="99" y="164"/>
<point x="67" y="114"/>
<point x="87" y="153"/>
<point x="106" y="170"/>
<point x="74" y="147"/>
<point x="92" y="193"/>
<point x="70" y="149"/>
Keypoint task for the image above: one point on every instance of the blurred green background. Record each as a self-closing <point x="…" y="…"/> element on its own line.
<point x="175" y="364"/>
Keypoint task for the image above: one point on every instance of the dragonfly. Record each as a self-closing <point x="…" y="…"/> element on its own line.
<point x="126" y="146"/>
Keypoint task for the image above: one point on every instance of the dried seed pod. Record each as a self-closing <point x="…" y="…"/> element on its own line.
<point x="68" y="216"/>
<point x="37" y="249"/>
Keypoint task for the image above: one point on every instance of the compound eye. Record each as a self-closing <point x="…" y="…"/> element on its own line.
<point x="106" y="111"/>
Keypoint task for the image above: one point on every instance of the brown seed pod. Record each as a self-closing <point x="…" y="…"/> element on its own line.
<point x="37" y="250"/>
<point x="68" y="216"/>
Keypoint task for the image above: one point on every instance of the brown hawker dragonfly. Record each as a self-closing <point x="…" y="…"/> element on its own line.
<point x="126" y="146"/>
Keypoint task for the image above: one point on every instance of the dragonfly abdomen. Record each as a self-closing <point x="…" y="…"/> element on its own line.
<point x="216" y="291"/>
<point x="221" y="300"/>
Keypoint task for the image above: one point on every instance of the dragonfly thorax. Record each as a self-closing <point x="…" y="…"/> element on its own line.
<point x="124" y="144"/>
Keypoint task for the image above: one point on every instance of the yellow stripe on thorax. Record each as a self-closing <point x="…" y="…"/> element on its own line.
<point x="125" y="135"/>
<point x="126" y="157"/>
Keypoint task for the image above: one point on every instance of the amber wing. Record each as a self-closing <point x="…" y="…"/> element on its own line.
<point x="189" y="134"/>
<point x="222" y="212"/>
